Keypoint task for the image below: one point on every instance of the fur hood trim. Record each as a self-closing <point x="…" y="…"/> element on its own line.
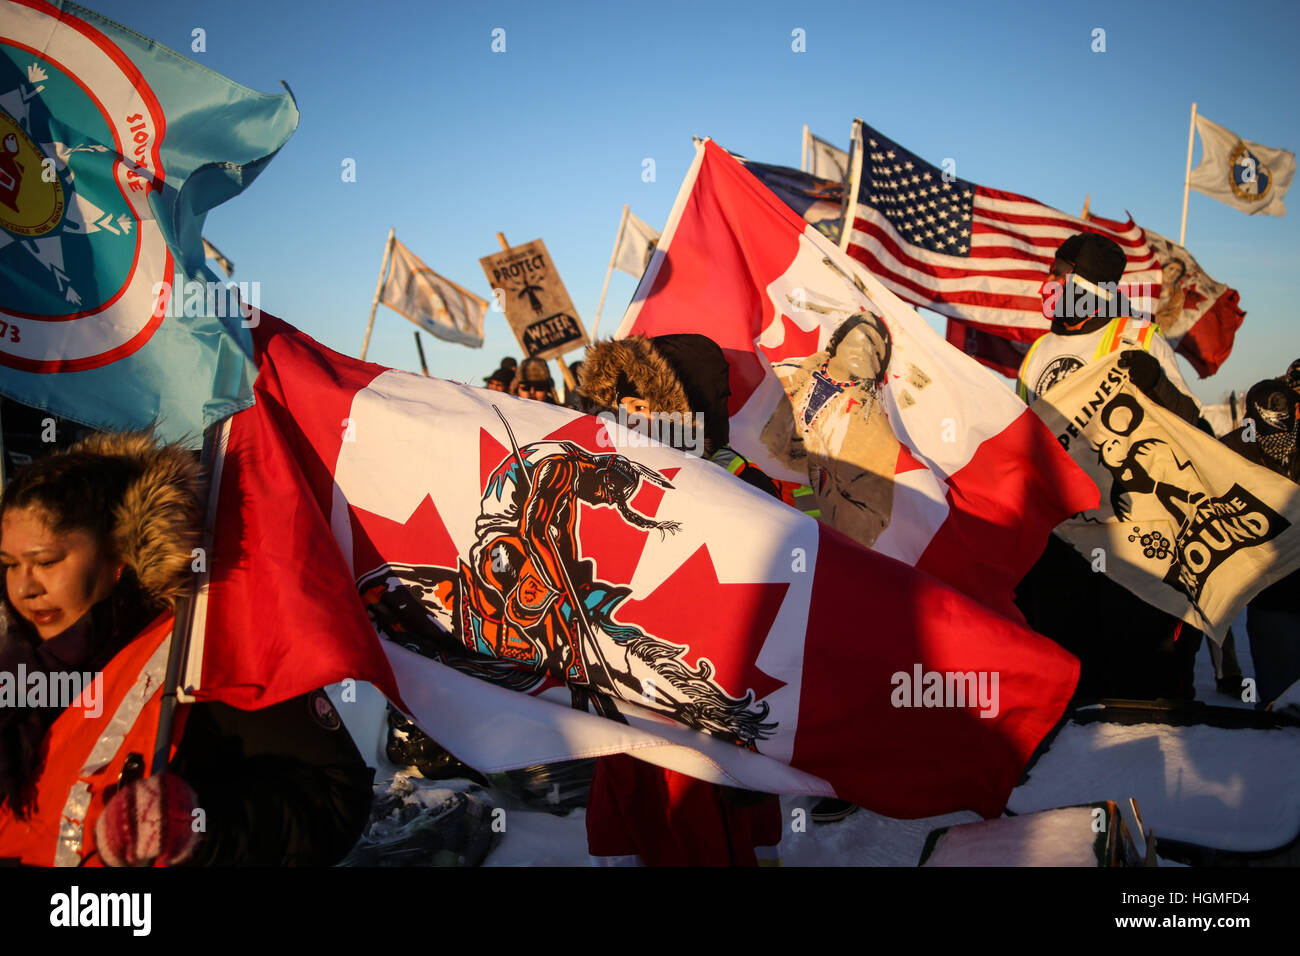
<point x="157" y="525"/>
<point x="637" y="363"/>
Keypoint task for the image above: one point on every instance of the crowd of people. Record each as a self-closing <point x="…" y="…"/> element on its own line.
<point x="96" y="541"/>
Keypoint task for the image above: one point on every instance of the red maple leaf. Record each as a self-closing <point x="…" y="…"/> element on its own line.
<point x="1191" y="297"/>
<point x="726" y="623"/>
<point x="421" y="539"/>
<point x="796" y="344"/>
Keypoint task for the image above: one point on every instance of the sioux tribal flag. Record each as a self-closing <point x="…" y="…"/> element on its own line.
<point x="974" y="254"/>
<point x="534" y="585"/>
<point x="1184" y="522"/>
<point x="1198" y="315"/>
<point x="112" y="150"/>
<point x="916" y="451"/>
<point x="437" y="305"/>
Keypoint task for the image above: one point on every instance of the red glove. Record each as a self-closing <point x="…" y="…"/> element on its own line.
<point x="147" y="820"/>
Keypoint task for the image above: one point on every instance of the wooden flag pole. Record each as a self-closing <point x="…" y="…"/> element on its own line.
<point x="609" y="271"/>
<point x="805" y="151"/>
<point x="1087" y="198"/>
<point x="1187" y="177"/>
<point x="419" y="347"/>
<point x="379" y="288"/>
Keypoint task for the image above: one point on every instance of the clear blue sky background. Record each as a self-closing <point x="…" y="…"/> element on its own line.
<point x="453" y="142"/>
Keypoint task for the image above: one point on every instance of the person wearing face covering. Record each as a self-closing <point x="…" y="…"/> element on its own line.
<point x="1268" y="437"/>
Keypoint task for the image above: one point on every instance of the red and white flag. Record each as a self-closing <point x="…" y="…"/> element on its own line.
<point x="509" y="571"/>
<point x="978" y="483"/>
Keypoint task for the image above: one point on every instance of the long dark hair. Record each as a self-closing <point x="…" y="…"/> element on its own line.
<point x="76" y="491"/>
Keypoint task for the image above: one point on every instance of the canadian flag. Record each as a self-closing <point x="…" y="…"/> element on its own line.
<point x="978" y="482"/>
<point x="534" y="585"/>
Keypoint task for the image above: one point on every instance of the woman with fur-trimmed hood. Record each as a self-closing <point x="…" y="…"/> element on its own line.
<point x="638" y="812"/>
<point x="97" y="543"/>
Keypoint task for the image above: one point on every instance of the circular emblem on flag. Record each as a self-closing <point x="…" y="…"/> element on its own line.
<point x="1250" y="179"/>
<point x="31" y="197"/>
<point x="85" y="267"/>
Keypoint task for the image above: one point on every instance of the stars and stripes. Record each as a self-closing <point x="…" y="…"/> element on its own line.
<point x="963" y="250"/>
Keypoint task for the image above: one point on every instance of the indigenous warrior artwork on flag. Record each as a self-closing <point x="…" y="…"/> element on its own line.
<point x="834" y="424"/>
<point x="1184" y="523"/>
<point x="525" y="605"/>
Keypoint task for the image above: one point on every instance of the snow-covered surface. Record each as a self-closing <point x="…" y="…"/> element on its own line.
<point x="1229" y="789"/>
<point x="1064" y="837"/>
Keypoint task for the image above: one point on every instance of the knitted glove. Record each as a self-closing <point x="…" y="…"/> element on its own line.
<point x="148" y="820"/>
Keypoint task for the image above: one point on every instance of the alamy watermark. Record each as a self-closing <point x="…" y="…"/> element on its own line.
<point x="668" y="428"/>
<point x="57" y="689"/>
<point x="1077" y="298"/>
<point x="922" y="688"/>
<point x="193" y="298"/>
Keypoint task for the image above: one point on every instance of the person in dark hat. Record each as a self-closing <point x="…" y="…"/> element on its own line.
<point x="533" y="380"/>
<point x="1268" y="437"/>
<point x="499" y="381"/>
<point x="1091" y="318"/>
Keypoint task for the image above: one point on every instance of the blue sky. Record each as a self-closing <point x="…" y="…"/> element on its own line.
<point x="454" y="142"/>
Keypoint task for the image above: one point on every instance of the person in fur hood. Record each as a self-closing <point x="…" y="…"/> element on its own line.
<point x="97" y="543"/>
<point x="638" y="812"/>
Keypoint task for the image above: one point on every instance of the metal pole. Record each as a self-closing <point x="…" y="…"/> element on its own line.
<point x="1187" y="177"/>
<point x="379" y="288"/>
<point x="609" y="270"/>
<point x="419" y="347"/>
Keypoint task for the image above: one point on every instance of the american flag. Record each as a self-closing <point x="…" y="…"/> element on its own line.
<point x="974" y="254"/>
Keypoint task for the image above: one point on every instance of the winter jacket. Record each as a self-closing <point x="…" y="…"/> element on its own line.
<point x="282" y="785"/>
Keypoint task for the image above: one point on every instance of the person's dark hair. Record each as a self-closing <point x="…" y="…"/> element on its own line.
<point x="76" y="490"/>
<point x="851" y="323"/>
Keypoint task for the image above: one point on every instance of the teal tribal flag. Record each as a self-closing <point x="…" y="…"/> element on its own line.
<point x="112" y="150"/>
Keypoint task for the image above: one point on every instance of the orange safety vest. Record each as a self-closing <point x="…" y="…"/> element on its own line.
<point x="84" y="756"/>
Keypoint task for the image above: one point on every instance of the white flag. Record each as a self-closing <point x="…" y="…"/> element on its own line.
<point x="635" y="247"/>
<point x="827" y="161"/>
<point x="437" y="305"/>
<point x="1244" y="175"/>
<point x="212" y="252"/>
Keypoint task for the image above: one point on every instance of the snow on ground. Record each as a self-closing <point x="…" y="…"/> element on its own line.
<point x="1195" y="784"/>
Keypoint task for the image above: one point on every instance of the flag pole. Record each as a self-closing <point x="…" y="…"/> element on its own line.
<point x="609" y="271"/>
<point x="804" y="151"/>
<point x="419" y="347"/>
<point x="183" y="618"/>
<point x="379" y="288"/>
<point x="1187" y="177"/>
<point x="855" y="177"/>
